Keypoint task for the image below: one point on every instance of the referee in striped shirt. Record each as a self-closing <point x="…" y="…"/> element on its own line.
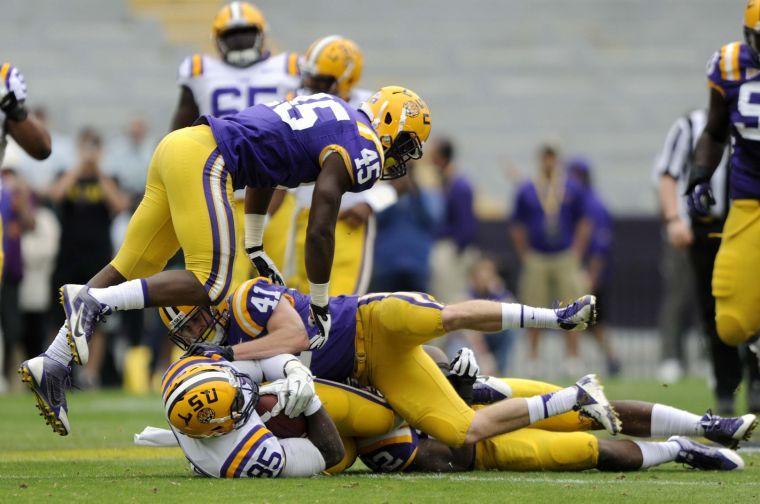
<point x="699" y="236"/>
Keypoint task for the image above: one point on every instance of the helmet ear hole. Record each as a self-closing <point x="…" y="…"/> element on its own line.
<point x="388" y="119"/>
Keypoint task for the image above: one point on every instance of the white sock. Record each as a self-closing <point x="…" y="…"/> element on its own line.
<point x="653" y="453"/>
<point x="59" y="349"/>
<point x="130" y="295"/>
<point x="549" y="405"/>
<point x="514" y="315"/>
<point x="668" y="421"/>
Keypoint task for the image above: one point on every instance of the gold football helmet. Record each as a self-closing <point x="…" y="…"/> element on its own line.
<point x="332" y="65"/>
<point x="195" y="324"/>
<point x="752" y="28"/>
<point x="238" y="30"/>
<point x="401" y="120"/>
<point x="205" y="400"/>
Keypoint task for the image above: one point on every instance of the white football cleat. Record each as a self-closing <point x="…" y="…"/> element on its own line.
<point x="591" y="402"/>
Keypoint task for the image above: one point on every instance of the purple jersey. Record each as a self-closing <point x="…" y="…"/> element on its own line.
<point x="254" y="302"/>
<point x="284" y="144"/>
<point x="391" y="452"/>
<point x="734" y="73"/>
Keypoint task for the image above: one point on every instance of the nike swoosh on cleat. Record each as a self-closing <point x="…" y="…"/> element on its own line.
<point x="78" y="331"/>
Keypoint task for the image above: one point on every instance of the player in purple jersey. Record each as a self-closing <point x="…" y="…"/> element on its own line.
<point x="734" y="112"/>
<point x="188" y="204"/>
<point x="376" y="341"/>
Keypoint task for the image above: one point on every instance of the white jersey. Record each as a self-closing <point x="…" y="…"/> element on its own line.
<point x="12" y="80"/>
<point x="221" y="89"/>
<point x="252" y="451"/>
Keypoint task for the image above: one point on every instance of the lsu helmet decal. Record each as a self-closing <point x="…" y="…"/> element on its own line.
<point x="195" y="324"/>
<point x="752" y="27"/>
<point x="238" y="30"/>
<point x="401" y="120"/>
<point x="203" y="398"/>
<point x="332" y="65"/>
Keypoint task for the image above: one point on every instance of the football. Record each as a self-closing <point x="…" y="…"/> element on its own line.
<point x="281" y="425"/>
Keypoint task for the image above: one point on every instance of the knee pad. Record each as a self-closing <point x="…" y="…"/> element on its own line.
<point x="730" y="329"/>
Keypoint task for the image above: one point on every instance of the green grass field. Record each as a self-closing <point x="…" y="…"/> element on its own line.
<point x="97" y="462"/>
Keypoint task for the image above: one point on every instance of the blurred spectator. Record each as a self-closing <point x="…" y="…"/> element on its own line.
<point x="597" y="257"/>
<point x="128" y="156"/>
<point x="486" y="283"/>
<point x="452" y="254"/>
<point x="15" y="207"/>
<point x="39" y="248"/>
<point x="551" y="231"/>
<point x="697" y="236"/>
<point x="405" y="234"/>
<point x="41" y="174"/>
<point x="87" y="200"/>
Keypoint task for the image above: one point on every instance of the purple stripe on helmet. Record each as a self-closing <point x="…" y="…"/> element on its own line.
<point x="214" y="218"/>
<point x="237" y="448"/>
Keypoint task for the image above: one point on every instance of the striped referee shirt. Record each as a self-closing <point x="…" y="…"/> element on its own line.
<point x="677" y="157"/>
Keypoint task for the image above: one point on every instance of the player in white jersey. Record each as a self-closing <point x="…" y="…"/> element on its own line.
<point x="334" y="65"/>
<point x="245" y="74"/>
<point x="210" y="406"/>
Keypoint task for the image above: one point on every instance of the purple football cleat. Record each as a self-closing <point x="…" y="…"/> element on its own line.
<point x="728" y="431"/>
<point x="48" y="380"/>
<point x="579" y="315"/>
<point x="82" y="313"/>
<point x="591" y="402"/>
<point x="706" y="458"/>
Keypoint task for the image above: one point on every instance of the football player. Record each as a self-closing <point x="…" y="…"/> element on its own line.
<point x="376" y="341"/>
<point x="559" y="443"/>
<point x="16" y="122"/>
<point x="733" y="75"/>
<point x="188" y="204"/>
<point x="334" y="65"/>
<point x="210" y="406"/>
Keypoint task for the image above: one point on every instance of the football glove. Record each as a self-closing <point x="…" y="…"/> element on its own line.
<point x="699" y="196"/>
<point x="203" y="349"/>
<point x="464" y="364"/>
<point x="264" y="265"/>
<point x="300" y="388"/>
<point x="321" y="319"/>
<point x="278" y="388"/>
<point x="12" y="107"/>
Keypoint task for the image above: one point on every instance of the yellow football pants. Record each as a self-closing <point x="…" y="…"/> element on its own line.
<point x="736" y="277"/>
<point x="571" y="421"/>
<point x="538" y="450"/>
<point x="277" y="233"/>
<point x="390" y="331"/>
<point x="352" y="263"/>
<point x="188" y="203"/>
<point x="356" y="413"/>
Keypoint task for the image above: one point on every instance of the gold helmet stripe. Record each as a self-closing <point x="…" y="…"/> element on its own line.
<point x="318" y="48"/>
<point x="205" y="376"/>
<point x="236" y="12"/>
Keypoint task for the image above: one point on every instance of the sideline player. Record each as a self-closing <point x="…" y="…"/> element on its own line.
<point x="210" y="406"/>
<point x="188" y="204"/>
<point x="334" y="65"/>
<point x="734" y="79"/>
<point x="377" y="340"/>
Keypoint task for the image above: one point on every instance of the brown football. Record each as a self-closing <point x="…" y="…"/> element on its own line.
<point x="281" y="425"/>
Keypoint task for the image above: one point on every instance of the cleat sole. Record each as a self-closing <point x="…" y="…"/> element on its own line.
<point x="45" y="411"/>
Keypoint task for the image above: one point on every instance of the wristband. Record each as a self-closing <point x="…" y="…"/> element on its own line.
<point x="319" y="293"/>
<point x="254" y="230"/>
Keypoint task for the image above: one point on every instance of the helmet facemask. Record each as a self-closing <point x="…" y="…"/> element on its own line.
<point x="314" y="83"/>
<point x="202" y="324"/>
<point x="752" y="38"/>
<point x="241" y="47"/>
<point x="241" y="409"/>
<point x="405" y="147"/>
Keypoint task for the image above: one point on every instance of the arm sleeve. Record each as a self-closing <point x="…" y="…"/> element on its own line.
<point x="302" y="458"/>
<point x="716" y="71"/>
<point x="253" y="304"/>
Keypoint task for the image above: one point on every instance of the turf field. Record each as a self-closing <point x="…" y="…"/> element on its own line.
<point x="98" y="462"/>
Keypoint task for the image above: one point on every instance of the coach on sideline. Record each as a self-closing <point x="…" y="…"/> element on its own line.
<point x="699" y="236"/>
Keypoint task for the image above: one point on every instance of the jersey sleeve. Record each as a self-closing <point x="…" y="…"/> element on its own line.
<point x="253" y="304"/>
<point x="724" y="68"/>
<point x="13" y="80"/>
<point x="363" y="158"/>
<point x="391" y="452"/>
<point x="190" y="68"/>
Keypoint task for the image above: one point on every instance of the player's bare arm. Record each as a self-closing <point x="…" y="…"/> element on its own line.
<point x="187" y="110"/>
<point x="321" y="431"/>
<point x="712" y="141"/>
<point x="31" y="136"/>
<point x="286" y="334"/>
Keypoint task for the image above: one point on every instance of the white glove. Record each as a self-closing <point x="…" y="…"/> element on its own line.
<point x="464" y="364"/>
<point x="278" y="388"/>
<point x="300" y="385"/>
<point x="264" y="265"/>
